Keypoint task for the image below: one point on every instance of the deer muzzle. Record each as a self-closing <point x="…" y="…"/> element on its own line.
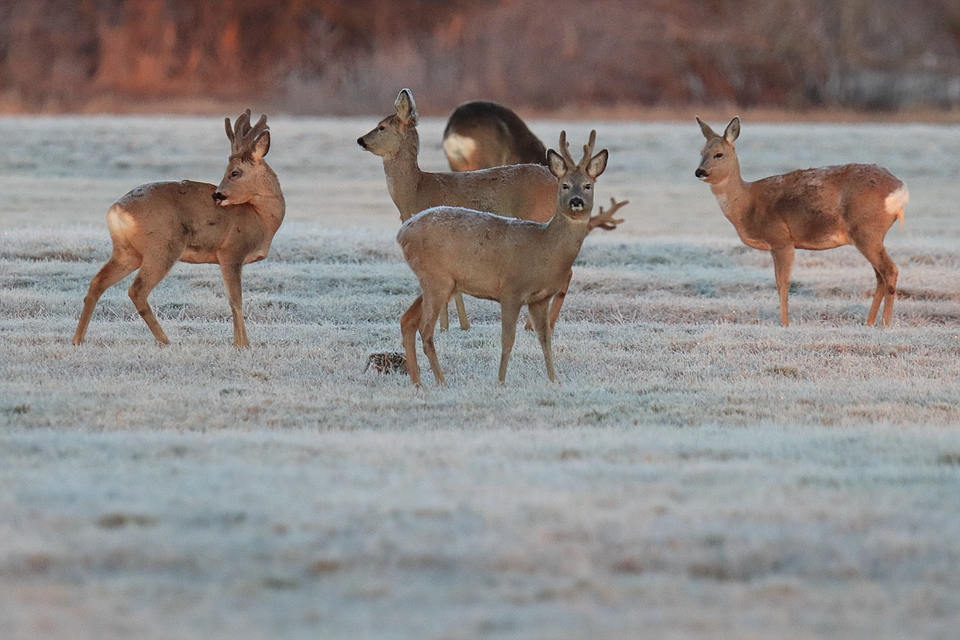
<point x="220" y="199"/>
<point x="701" y="173"/>
<point x="577" y="203"/>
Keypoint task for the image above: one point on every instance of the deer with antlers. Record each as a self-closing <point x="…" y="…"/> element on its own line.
<point x="524" y="191"/>
<point x="515" y="262"/>
<point x="808" y="209"/>
<point x="158" y="224"/>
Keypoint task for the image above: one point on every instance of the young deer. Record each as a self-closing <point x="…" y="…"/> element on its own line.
<point x="808" y="209"/>
<point x="525" y="191"/>
<point x="516" y="262"/>
<point x="480" y="135"/>
<point x="158" y="224"/>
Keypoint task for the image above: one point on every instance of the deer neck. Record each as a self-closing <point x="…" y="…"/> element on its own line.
<point x="566" y="235"/>
<point x="733" y="195"/>
<point x="269" y="202"/>
<point x="403" y="176"/>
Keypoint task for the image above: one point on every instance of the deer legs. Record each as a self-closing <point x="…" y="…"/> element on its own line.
<point x="782" y="267"/>
<point x="116" y="269"/>
<point x="461" y="314"/>
<point x="422" y="316"/>
<point x="509" y="312"/>
<point x="541" y="321"/>
<point x="149" y="275"/>
<point x="886" y="272"/>
<point x="231" y="278"/>
<point x="544" y="326"/>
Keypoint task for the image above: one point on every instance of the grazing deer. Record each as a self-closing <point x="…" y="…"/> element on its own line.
<point x="516" y="262"/>
<point x="158" y="224"/>
<point x="480" y="135"/>
<point x="808" y="209"/>
<point x="525" y="191"/>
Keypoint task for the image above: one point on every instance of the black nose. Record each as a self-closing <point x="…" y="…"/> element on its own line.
<point x="701" y="173"/>
<point x="219" y="197"/>
<point x="361" y="142"/>
<point x="576" y="202"/>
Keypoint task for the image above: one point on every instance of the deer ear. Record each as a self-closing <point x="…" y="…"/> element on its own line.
<point x="261" y="146"/>
<point x="406" y="107"/>
<point x="597" y="164"/>
<point x="708" y="133"/>
<point x="732" y="131"/>
<point x="556" y="163"/>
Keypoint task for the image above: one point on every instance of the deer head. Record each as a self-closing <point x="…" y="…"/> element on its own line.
<point x="718" y="160"/>
<point x="576" y="179"/>
<point x="248" y="145"/>
<point x="391" y="134"/>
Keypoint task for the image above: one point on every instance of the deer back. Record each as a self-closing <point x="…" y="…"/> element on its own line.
<point x="524" y="191"/>
<point x="480" y="134"/>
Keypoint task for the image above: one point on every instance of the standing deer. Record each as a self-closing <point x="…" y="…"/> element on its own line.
<point x="516" y="262"/>
<point x="483" y="134"/>
<point x="158" y="224"/>
<point x="525" y="191"/>
<point x="808" y="209"/>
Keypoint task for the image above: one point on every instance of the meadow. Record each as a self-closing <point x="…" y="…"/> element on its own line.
<point x="698" y="472"/>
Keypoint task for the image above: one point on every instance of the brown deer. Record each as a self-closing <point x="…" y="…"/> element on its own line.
<point x="481" y="134"/>
<point x="158" y="224"/>
<point x="808" y="209"/>
<point x="516" y="262"/>
<point x="525" y="191"/>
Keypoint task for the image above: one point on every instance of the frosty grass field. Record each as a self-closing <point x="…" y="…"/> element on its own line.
<point x="700" y="472"/>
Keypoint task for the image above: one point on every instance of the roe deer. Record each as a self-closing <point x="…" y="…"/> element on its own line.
<point x="517" y="191"/>
<point x="516" y="262"/>
<point x="480" y="135"/>
<point x="158" y="224"/>
<point x="808" y="209"/>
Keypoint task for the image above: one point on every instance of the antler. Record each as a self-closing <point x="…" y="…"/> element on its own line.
<point x="605" y="219"/>
<point x="242" y="136"/>
<point x="565" y="151"/>
<point x="588" y="150"/>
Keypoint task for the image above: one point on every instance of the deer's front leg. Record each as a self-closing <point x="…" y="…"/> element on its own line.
<point x="231" y="278"/>
<point x="782" y="267"/>
<point x="509" y="312"/>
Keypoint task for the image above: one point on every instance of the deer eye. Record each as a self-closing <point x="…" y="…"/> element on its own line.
<point x="588" y="186"/>
<point x="235" y="173"/>
<point x="381" y="128"/>
<point x="718" y="155"/>
<point x="565" y="186"/>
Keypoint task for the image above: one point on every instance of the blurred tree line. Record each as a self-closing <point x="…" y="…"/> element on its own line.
<point x="348" y="56"/>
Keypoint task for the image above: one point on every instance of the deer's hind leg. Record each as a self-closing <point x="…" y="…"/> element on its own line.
<point x="118" y="267"/>
<point x="152" y="271"/>
<point x="409" y="324"/>
<point x="886" y="272"/>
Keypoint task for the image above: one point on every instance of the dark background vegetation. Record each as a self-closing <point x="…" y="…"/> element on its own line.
<point x="351" y="56"/>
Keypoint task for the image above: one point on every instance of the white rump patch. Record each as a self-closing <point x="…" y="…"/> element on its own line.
<point x="459" y="147"/>
<point x="896" y="202"/>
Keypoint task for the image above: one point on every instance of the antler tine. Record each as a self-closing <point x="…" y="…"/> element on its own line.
<point x="256" y="129"/>
<point x="605" y="219"/>
<point x="588" y="149"/>
<point x="229" y="128"/>
<point x="565" y="150"/>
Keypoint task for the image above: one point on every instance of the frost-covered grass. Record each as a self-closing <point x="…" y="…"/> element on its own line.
<point x="699" y="472"/>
